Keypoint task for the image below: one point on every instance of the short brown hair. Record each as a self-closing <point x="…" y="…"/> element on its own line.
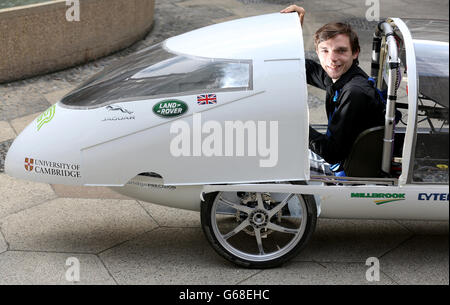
<point x="333" y="29"/>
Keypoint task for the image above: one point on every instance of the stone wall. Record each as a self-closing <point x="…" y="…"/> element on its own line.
<point x="37" y="39"/>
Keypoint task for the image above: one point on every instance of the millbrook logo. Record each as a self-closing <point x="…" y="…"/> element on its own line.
<point x="388" y="197"/>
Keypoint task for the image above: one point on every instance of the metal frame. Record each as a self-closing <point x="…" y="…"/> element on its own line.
<point x="384" y="38"/>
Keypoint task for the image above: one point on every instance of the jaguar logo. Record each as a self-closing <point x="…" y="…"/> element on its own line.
<point x="118" y="108"/>
<point x="121" y="114"/>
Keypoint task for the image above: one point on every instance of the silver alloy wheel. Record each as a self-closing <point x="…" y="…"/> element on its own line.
<point x="276" y="225"/>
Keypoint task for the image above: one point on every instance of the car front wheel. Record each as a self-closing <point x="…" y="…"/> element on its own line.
<point x="258" y="230"/>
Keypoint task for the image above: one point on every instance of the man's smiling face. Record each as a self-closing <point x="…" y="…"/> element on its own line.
<point x="335" y="55"/>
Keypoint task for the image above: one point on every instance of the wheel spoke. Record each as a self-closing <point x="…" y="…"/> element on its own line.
<point x="237" y="229"/>
<point x="260" y="201"/>
<point x="238" y="207"/>
<point x="280" y="206"/>
<point x="278" y="228"/>
<point x="259" y="241"/>
<point x="261" y="231"/>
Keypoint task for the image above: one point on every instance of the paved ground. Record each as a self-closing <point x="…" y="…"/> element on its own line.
<point x="118" y="240"/>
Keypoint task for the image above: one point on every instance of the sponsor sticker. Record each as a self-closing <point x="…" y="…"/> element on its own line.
<point x="51" y="168"/>
<point x="45" y="117"/>
<point x="29" y="164"/>
<point x="382" y="198"/>
<point x="118" y="113"/>
<point x="433" y="196"/>
<point x="152" y="185"/>
<point x="206" y="99"/>
<point x="170" y="108"/>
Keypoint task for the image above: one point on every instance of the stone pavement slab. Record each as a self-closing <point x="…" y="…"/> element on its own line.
<point x="171" y="256"/>
<point x="17" y="101"/>
<point x="31" y="268"/>
<point x="4" y="147"/>
<point x="171" y="217"/>
<point x="426" y="227"/>
<point x="18" y="195"/>
<point x="76" y="225"/>
<point x="312" y="273"/>
<point x="93" y="192"/>
<point x="6" y="131"/>
<point x="338" y="240"/>
<point x="46" y="84"/>
<point x="420" y="260"/>
<point x="172" y="19"/>
<point x="19" y="124"/>
<point x="55" y="96"/>
<point x="3" y="244"/>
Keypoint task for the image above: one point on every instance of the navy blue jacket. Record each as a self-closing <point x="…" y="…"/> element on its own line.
<point x="357" y="107"/>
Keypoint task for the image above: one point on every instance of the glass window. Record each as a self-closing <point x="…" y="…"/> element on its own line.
<point x="432" y="145"/>
<point x="430" y="159"/>
<point x="155" y="72"/>
<point x="431" y="154"/>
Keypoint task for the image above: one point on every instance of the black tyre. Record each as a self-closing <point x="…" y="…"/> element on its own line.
<point x="258" y="230"/>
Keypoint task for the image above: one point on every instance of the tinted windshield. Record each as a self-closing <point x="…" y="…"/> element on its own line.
<point x="430" y="39"/>
<point x="155" y="72"/>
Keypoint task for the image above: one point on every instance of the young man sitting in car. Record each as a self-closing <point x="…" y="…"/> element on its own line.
<point x="352" y="103"/>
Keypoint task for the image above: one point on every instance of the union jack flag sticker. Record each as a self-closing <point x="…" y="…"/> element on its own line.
<point x="206" y="99"/>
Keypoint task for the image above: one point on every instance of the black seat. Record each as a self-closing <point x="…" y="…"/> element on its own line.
<point x="366" y="155"/>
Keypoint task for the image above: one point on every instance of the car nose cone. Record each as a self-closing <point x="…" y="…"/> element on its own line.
<point x="43" y="152"/>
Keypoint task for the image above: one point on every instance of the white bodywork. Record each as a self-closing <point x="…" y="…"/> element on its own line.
<point x="111" y="153"/>
<point x="80" y="147"/>
<point x="413" y="84"/>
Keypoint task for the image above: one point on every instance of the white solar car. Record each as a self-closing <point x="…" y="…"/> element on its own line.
<point x="216" y="120"/>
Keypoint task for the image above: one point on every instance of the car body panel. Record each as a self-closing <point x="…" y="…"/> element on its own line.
<point x="114" y="141"/>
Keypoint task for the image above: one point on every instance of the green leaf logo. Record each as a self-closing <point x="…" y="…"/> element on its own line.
<point x="46" y="117"/>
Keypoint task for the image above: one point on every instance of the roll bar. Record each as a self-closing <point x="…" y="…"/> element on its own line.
<point x="384" y="44"/>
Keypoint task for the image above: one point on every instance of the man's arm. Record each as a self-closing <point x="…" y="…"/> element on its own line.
<point x="348" y="121"/>
<point x="315" y="75"/>
<point x="325" y="146"/>
<point x="314" y="72"/>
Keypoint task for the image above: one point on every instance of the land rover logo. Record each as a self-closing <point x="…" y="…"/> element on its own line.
<point x="170" y="108"/>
